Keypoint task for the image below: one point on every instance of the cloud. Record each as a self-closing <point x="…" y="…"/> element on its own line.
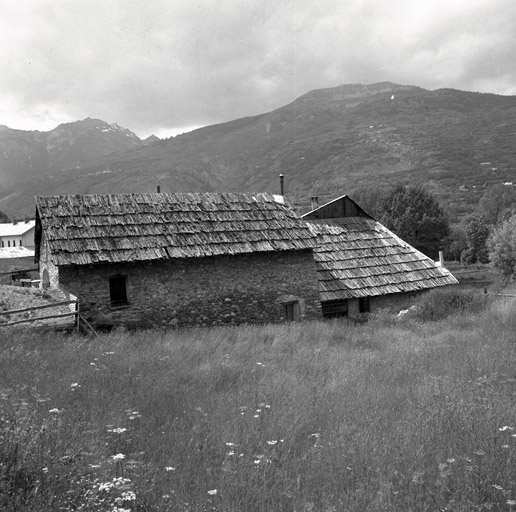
<point x="161" y="65"/>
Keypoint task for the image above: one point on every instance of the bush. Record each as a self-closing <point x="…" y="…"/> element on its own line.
<point x="442" y="302"/>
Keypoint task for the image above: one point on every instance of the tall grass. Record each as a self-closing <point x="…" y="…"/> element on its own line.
<point x="322" y="416"/>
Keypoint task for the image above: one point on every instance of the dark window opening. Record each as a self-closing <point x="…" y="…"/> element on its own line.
<point x="334" y="308"/>
<point x="363" y="305"/>
<point x="118" y="290"/>
<point x="291" y="311"/>
<point x="8" y="243"/>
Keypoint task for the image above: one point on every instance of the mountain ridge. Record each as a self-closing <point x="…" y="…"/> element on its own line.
<point x="327" y="142"/>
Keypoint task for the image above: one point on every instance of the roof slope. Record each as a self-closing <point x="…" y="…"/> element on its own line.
<point x="16" y="228"/>
<point x="359" y="257"/>
<point x="15" y="252"/>
<point x="86" y="229"/>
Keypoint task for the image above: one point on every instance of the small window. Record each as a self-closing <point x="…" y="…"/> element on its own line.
<point x="8" y="243"/>
<point x="334" y="308"/>
<point x="291" y="311"/>
<point x="118" y="290"/>
<point x="363" y="305"/>
<point x="14" y="243"/>
<point x="3" y="243"/>
<point x="20" y="244"/>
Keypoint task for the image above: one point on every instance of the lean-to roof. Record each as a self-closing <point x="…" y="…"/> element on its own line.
<point x="15" y="252"/>
<point x="359" y="257"/>
<point x="88" y="229"/>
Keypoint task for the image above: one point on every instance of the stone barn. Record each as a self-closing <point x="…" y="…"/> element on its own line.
<point x="364" y="267"/>
<point x="178" y="259"/>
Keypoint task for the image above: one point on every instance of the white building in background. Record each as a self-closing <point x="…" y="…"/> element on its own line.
<point x="17" y="234"/>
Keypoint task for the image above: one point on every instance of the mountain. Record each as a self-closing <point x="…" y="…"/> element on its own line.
<point x="27" y="155"/>
<point x="327" y="142"/>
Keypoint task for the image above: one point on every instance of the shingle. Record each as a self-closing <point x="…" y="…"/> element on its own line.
<point x="83" y="229"/>
<point x="358" y="257"/>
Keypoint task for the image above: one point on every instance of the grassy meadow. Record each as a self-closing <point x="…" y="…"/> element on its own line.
<point x="413" y="414"/>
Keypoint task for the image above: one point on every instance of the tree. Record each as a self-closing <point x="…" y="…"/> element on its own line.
<point x="477" y="233"/>
<point x="416" y="217"/>
<point x="497" y="203"/>
<point x="3" y="217"/>
<point x="371" y="199"/>
<point x="502" y="247"/>
<point x="456" y="243"/>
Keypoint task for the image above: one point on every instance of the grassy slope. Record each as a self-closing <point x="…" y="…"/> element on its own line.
<point x="320" y="416"/>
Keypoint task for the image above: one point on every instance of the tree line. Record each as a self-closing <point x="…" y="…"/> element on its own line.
<point x="413" y="213"/>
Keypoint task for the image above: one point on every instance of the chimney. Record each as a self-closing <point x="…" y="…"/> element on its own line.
<point x="282" y="184"/>
<point x="159" y="189"/>
<point x="314" y="200"/>
<point x="441" y="259"/>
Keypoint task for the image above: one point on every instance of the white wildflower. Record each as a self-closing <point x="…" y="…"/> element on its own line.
<point x="213" y="492"/>
<point x="54" y="411"/>
<point x="170" y="468"/>
<point x="118" y="456"/>
<point x="504" y="428"/>
<point x="126" y="496"/>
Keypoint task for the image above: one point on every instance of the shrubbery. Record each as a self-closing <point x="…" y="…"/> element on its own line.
<point x="440" y="303"/>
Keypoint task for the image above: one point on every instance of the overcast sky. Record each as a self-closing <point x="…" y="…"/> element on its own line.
<point x="166" y="66"/>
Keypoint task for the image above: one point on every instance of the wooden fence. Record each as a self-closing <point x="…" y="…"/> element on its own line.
<point x="73" y="312"/>
<point x="34" y="269"/>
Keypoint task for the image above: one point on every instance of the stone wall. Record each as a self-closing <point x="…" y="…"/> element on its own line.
<point x="199" y="291"/>
<point x="48" y="272"/>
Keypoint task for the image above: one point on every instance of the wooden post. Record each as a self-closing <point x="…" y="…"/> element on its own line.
<point x="77" y="313"/>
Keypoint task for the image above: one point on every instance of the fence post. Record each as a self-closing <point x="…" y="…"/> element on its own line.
<point x="77" y="315"/>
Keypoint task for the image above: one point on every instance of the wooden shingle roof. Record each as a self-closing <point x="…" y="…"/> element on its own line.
<point x="88" y="229"/>
<point x="359" y="257"/>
